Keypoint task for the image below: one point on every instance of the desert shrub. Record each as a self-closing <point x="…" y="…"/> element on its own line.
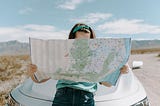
<point x="158" y="55"/>
<point x="12" y="73"/>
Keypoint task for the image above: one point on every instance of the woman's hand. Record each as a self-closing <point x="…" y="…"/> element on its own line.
<point x="31" y="70"/>
<point x="124" y="69"/>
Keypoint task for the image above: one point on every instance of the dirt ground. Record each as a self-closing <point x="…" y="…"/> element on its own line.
<point x="149" y="75"/>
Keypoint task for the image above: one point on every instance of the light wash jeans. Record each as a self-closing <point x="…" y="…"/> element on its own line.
<point x="73" y="97"/>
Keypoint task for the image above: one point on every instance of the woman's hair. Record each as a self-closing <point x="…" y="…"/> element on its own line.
<point x="83" y="28"/>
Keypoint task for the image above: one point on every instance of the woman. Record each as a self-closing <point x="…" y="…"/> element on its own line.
<point x="70" y="93"/>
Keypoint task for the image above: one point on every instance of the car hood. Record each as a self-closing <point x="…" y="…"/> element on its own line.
<point x="126" y="86"/>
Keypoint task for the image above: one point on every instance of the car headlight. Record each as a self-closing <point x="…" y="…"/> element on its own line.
<point x="143" y="102"/>
<point x="12" y="102"/>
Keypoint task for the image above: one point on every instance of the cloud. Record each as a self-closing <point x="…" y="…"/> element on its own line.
<point x="92" y="18"/>
<point x="124" y="26"/>
<point x="22" y="33"/>
<point x="39" y="27"/>
<point x="25" y="11"/>
<point x="71" y="4"/>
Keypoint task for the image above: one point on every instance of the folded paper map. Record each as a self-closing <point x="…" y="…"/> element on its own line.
<point x="89" y="60"/>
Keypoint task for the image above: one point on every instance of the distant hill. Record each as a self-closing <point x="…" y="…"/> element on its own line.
<point x="145" y="44"/>
<point x="18" y="48"/>
<point x="14" y="48"/>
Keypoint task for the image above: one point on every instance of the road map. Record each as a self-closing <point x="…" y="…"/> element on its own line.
<point x="81" y="60"/>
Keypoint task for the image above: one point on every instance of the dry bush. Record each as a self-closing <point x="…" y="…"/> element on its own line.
<point x="13" y="71"/>
<point x="143" y="51"/>
<point x="158" y="55"/>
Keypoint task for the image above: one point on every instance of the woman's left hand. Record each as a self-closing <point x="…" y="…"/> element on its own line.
<point x="124" y="69"/>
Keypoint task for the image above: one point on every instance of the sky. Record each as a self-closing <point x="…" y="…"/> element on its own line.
<point x="21" y="19"/>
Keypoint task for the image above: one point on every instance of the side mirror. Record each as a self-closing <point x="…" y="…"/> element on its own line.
<point x="137" y="64"/>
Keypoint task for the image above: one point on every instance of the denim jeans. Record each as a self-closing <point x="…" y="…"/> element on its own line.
<point x="73" y="97"/>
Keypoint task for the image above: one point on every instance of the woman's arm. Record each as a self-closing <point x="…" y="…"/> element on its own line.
<point x="105" y="84"/>
<point x="31" y="70"/>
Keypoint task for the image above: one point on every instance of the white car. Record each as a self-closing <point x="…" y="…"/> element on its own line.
<point x="127" y="92"/>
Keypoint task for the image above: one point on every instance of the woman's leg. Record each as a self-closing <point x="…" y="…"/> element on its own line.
<point x="87" y="99"/>
<point x="61" y="98"/>
<point x="73" y="97"/>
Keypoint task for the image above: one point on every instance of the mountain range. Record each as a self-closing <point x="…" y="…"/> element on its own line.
<point x="145" y="44"/>
<point x="14" y="48"/>
<point x="20" y="48"/>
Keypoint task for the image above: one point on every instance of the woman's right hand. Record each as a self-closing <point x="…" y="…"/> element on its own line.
<point x="32" y="69"/>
